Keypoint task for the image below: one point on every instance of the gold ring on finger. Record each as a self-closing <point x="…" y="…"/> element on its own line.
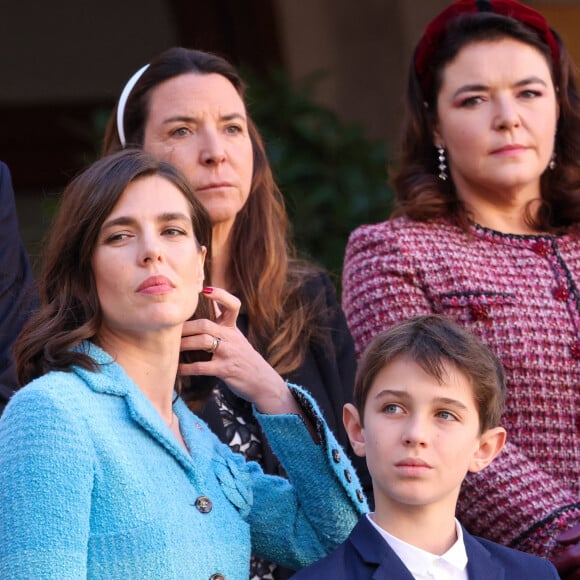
<point x="214" y="345"/>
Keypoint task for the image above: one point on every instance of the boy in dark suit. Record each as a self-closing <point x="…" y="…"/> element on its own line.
<point x="427" y="404"/>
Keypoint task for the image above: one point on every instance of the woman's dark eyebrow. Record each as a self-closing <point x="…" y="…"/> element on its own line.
<point x="190" y="119"/>
<point x="476" y="87"/>
<point x="128" y="221"/>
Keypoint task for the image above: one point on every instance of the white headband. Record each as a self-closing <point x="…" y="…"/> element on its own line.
<point x="123" y="101"/>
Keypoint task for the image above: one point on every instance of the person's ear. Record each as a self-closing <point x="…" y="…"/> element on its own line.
<point x="491" y="442"/>
<point x="354" y="429"/>
<point x="201" y="277"/>
<point x="437" y="139"/>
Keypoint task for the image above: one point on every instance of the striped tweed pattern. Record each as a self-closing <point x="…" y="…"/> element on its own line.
<point x="520" y="295"/>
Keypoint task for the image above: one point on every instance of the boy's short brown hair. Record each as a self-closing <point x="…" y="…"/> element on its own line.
<point x="429" y="341"/>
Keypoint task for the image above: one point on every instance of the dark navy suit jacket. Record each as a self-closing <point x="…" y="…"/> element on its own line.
<point x="365" y="554"/>
<point x="17" y="293"/>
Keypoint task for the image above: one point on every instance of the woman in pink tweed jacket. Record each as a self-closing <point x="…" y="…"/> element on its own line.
<point x="486" y="230"/>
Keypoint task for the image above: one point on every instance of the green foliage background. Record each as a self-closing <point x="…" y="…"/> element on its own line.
<point x="332" y="176"/>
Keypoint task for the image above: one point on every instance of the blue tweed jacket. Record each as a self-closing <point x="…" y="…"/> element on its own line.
<point x="366" y="555"/>
<point x="94" y="485"/>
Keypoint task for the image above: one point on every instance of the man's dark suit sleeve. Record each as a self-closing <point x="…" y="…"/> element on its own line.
<point x="18" y="297"/>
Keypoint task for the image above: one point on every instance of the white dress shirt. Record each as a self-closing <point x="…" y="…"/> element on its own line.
<point x="426" y="566"/>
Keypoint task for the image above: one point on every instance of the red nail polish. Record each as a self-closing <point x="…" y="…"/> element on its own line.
<point x="207" y="290"/>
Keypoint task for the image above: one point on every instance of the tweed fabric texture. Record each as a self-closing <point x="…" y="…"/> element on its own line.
<point x="519" y="294"/>
<point x="93" y="484"/>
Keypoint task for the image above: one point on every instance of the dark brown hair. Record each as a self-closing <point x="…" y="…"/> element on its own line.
<point x="70" y="311"/>
<point x="268" y="278"/>
<point x="421" y="195"/>
<point x="430" y="341"/>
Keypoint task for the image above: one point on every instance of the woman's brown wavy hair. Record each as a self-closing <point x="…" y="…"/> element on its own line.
<point x="268" y="278"/>
<point x="422" y="196"/>
<point x="70" y="311"/>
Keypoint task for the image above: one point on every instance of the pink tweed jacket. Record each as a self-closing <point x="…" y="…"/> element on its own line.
<point x="520" y="295"/>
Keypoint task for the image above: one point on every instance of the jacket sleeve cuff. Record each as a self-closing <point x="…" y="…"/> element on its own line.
<point x="280" y="429"/>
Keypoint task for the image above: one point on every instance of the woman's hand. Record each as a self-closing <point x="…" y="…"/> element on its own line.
<point x="567" y="562"/>
<point x="234" y="360"/>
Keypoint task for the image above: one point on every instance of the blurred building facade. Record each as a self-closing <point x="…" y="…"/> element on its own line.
<point x="63" y="63"/>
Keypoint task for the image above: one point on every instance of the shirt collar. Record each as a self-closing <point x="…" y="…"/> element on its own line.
<point x="423" y="564"/>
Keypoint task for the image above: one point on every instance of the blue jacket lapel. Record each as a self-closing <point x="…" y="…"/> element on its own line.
<point x="480" y="562"/>
<point x="113" y="380"/>
<point x="375" y="551"/>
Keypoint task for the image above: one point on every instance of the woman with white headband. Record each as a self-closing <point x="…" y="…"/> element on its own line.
<point x="187" y="107"/>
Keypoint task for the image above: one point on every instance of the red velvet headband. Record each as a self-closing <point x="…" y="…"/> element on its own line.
<point x="435" y="31"/>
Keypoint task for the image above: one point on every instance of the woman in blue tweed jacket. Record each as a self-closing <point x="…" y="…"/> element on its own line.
<point x="104" y="471"/>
